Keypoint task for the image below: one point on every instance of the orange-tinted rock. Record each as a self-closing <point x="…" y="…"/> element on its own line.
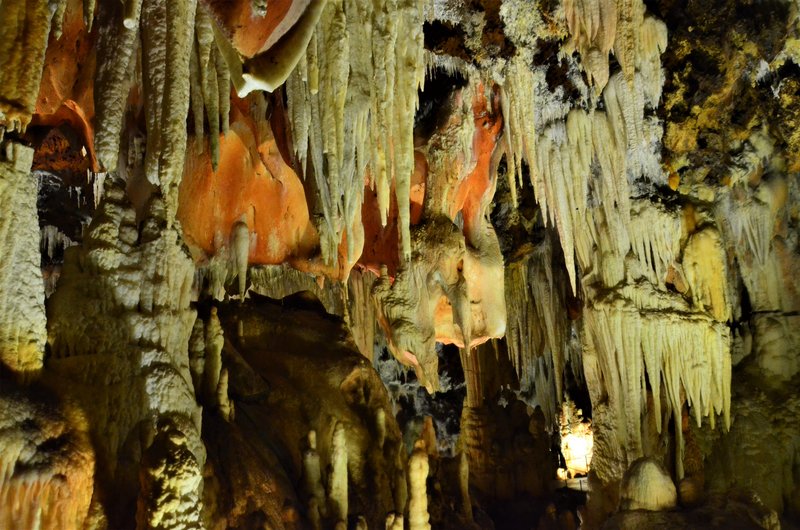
<point x="66" y="96"/>
<point x="472" y="193"/>
<point x="251" y="34"/>
<point x="252" y="183"/>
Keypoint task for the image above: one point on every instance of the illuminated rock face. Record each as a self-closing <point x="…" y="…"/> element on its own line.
<point x="588" y="201"/>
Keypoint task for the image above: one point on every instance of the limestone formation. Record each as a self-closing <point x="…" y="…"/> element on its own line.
<point x="399" y="263"/>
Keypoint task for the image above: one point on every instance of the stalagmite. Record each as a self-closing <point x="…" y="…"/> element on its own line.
<point x="646" y="486"/>
<point x="223" y="401"/>
<point x="337" y="478"/>
<point x="394" y="521"/>
<point x="214" y="341"/>
<point x="312" y="478"/>
<point x="463" y="484"/>
<point x="119" y="333"/>
<point x="418" y="516"/>
<point x="197" y="357"/>
<point x="22" y="312"/>
<point x="380" y="426"/>
<point x="169" y="478"/>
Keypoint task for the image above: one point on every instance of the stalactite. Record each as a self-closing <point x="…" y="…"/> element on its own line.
<point x="280" y="281"/>
<point x="361" y="314"/>
<point x="117" y="47"/>
<point x="519" y="108"/>
<point x="688" y="352"/>
<point x="52" y="239"/>
<point x="593" y="26"/>
<point x="167" y="29"/>
<point x="240" y="243"/>
<point x="537" y="329"/>
<point x="24" y="28"/>
<point x="353" y="115"/>
<point x="22" y="314"/>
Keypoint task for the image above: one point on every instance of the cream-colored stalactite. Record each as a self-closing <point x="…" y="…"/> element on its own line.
<point x="600" y="26"/>
<point x="24" y="28"/>
<point x="53" y="239"/>
<point x="705" y="266"/>
<point x="593" y="26"/>
<point x="630" y="14"/>
<point x="688" y="352"/>
<point x="518" y="105"/>
<point x="22" y="314"/>
<point x="118" y="42"/>
<point x="352" y="101"/>
<point x="561" y="176"/>
<point x="655" y="235"/>
<point x="167" y="30"/>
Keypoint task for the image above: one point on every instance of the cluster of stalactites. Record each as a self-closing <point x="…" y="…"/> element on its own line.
<point x="585" y="169"/>
<point x="618" y="139"/>
<point x="210" y="85"/>
<point x="601" y="26"/>
<point x="24" y="30"/>
<point x="352" y="101"/>
<point x="537" y="329"/>
<point x="180" y="63"/>
<point x="684" y="353"/>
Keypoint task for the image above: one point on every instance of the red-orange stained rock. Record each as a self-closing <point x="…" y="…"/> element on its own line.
<point x="66" y="93"/>
<point x="471" y="192"/>
<point x="248" y="33"/>
<point x="252" y="182"/>
<point x="381" y="243"/>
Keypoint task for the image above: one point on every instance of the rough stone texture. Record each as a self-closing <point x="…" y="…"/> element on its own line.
<point x="647" y="486"/>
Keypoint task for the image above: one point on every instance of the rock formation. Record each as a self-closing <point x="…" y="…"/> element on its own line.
<point x="399" y="263"/>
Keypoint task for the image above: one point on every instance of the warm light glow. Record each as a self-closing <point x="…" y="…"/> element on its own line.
<point x="577" y="442"/>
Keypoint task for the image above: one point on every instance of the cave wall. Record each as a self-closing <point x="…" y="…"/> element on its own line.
<point x="588" y="200"/>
